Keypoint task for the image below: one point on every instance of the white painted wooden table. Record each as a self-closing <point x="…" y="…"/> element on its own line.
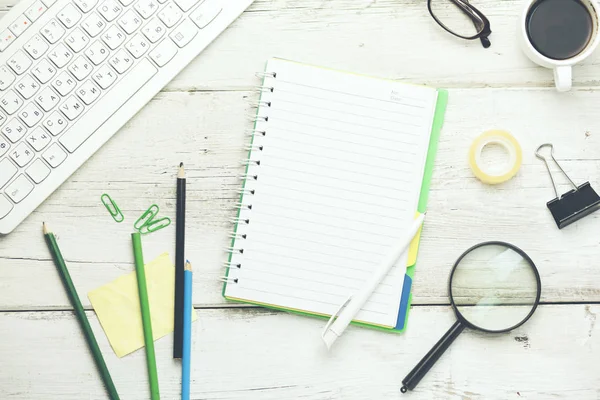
<point x="250" y="353"/>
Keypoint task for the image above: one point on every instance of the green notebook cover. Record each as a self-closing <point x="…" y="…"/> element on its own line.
<point x="406" y="300"/>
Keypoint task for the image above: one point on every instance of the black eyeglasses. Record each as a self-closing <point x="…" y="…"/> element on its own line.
<point x="461" y="19"/>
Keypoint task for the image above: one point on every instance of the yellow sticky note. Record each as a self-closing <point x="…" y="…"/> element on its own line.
<point x="117" y="305"/>
<point x="413" y="250"/>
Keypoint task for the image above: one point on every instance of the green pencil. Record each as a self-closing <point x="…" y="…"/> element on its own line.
<point x="146" y="320"/>
<point x="80" y="312"/>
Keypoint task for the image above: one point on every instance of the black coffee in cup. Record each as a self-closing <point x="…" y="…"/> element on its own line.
<point x="559" y="29"/>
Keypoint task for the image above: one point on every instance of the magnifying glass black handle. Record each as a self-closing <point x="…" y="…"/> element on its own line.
<point x="414" y="377"/>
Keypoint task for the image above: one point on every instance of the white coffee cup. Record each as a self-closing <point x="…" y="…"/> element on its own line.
<point x="563" y="69"/>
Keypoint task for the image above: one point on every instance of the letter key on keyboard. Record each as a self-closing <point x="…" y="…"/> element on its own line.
<point x="72" y="72"/>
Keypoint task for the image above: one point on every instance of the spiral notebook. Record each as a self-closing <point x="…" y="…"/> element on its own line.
<point x="339" y="165"/>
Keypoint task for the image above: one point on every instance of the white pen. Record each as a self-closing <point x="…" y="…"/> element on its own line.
<point x="340" y="320"/>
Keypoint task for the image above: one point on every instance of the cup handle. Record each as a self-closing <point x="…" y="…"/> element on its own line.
<point x="563" y="78"/>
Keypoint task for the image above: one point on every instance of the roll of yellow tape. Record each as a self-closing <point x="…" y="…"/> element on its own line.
<point x="501" y="138"/>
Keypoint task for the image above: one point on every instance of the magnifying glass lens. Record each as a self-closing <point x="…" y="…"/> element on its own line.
<point x="494" y="287"/>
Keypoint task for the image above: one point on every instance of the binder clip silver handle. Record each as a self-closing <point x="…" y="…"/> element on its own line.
<point x="545" y="160"/>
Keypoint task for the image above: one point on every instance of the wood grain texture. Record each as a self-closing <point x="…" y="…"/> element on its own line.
<point x="207" y="132"/>
<point x="390" y="38"/>
<point x="253" y="354"/>
<point x="202" y="118"/>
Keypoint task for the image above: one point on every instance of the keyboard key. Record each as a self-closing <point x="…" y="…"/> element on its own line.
<point x="97" y="52"/>
<point x="146" y="8"/>
<point x="44" y="71"/>
<point x="113" y="37"/>
<point x="164" y="52"/>
<point x="121" y="61"/>
<point x="154" y="30"/>
<point x="49" y="3"/>
<point x="69" y="16"/>
<point x="38" y="171"/>
<point x="53" y="31"/>
<point x="93" y="24"/>
<point x="2" y="119"/>
<point x="20" y="25"/>
<point x="19" y="189"/>
<point x="4" y="146"/>
<point x="60" y="55"/>
<point x="85" y="5"/>
<point x="130" y="21"/>
<point x="109" y="103"/>
<point x="19" y="62"/>
<point x="110" y="10"/>
<point x="7" y="171"/>
<point x="5" y="206"/>
<point x="205" y="14"/>
<point x="35" y="11"/>
<point x="55" y="155"/>
<point x="14" y="130"/>
<point x="47" y="99"/>
<point x="64" y="83"/>
<point x="126" y="2"/>
<point x="36" y="47"/>
<point x="185" y="5"/>
<point x="81" y="68"/>
<point x="6" y="77"/>
<point x="31" y="114"/>
<point x="39" y="139"/>
<point x="11" y="102"/>
<point x="27" y="86"/>
<point x="88" y="92"/>
<point x="72" y="107"/>
<point x="137" y="46"/>
<point x="170" y="15"/>
<point x="22" y="154"/>
<point x="105" y="76"/>
<point x="6" y="38"/>
<point x="184" y="33"/>
<point x="55" y="123"/>
<point x="77" y="40"/>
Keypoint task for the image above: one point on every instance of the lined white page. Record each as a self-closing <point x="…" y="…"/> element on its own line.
<point x="339" y="180"/>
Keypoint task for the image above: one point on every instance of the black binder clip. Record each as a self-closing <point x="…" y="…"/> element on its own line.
<point x="573" y="205"/>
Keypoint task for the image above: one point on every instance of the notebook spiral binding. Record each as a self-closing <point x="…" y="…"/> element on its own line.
<point x="233" y="266"/>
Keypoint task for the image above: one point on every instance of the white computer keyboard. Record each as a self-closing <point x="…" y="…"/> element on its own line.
<point x="73" y="72"/>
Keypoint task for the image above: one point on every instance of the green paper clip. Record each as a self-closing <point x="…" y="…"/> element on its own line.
<point x="113" y="208"/>
<point x="146" y="218"/>
<point x="155" y="225"/>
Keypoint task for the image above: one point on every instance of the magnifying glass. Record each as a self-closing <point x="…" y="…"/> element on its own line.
<point x="494" y="288"/>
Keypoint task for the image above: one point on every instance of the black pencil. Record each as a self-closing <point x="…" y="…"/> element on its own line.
<point x="179" y="264"/>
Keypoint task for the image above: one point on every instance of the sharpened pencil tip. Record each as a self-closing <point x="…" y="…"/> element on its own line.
<point x="44" y="228"/>
<point x="180" y="165"/>
<point x="188" y="265"/>
<point x="181" y="173"/>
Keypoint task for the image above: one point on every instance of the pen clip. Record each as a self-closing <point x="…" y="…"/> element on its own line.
<point x="335" y="316"/>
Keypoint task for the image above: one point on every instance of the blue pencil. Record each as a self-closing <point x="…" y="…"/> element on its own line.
<point x="187" y="332"/>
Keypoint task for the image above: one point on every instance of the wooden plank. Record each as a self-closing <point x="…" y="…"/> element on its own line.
<point x="206" y="131"/>
<point x="385" y="38"/>
<point x="249" y="354"/>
